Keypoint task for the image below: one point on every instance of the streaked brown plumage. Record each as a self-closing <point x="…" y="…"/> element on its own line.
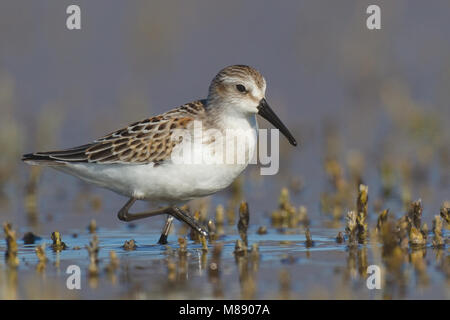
<point x="146" y="141"/>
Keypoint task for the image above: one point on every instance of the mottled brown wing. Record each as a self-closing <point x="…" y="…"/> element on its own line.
<point x="146" y="141"/>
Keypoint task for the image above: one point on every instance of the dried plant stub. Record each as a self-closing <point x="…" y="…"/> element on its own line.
<point x="244" y="217"/>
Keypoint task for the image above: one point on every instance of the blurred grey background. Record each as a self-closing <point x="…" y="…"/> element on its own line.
<point x="383" y="95"/>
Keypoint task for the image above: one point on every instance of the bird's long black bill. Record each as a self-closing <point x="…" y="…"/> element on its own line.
<point x="265" y="111"/>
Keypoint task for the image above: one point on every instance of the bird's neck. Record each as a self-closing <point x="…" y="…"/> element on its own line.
<point x="227" y="116"/>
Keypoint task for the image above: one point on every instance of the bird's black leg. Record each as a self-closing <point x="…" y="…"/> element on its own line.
<point x="124" y="215"/>
<point x="190" y="221"/>
<point x="175" y="212"/>
<point x="166" y="230"/>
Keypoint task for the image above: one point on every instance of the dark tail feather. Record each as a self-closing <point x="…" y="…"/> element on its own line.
<point x="36" y="159"/>
<point x="57" y="157"/>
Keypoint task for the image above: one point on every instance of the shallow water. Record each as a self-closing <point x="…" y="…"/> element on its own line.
<point x="326" y="270"/>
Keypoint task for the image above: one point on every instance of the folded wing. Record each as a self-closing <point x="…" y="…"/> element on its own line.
<point x="146" y="141"/>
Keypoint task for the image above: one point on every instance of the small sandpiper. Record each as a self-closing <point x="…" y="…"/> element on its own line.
<point x="138" y="161"/>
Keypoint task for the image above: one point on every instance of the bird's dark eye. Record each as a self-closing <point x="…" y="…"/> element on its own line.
<point x="241" y="88"/>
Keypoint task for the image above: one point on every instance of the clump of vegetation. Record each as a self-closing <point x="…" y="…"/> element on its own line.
<point x="408" y="231"/>
<point x="382" y="218"/>
<point x="415" y="213"/>
<point x="389" y="237"/>
<point x="302" y="217"/>
<point x="262" y="230"/>
<point x="58" y="244"/>
<point x="182" y="249"/>
<point x="393" y="255"/>
<point x="309" y="242"/>
<point x="361" y="207"/>
<point x="351" y="228"/>
<point x="416" y="237"/>
<point x="240" y="248"/>
<point x="438" y="239"/>
<point x="113" y="262"/>
<point x="285" y="210"/>
<point x="255" y="251"/>
<point x="220" y="215"/>
<point x="340" y="237"/>
<point x="445" y="212"/>
<point x="204" y="244"/>
<point x="356" y="227"/>
<point x="287" y="215"/>
<point x="334" y="203"/>
<point x="212" y="234"/>
<point x="40" y="253"/>
<point x="93" y="249"/>
<point x="92" y="226"/>
<point x="11" y="245"/>
<point x="220" y="220"/>
<point x="244" y="217"/>
<point x="194" y="235"/>
<point x="417" y="231"/>
<point x="129" y="245"/>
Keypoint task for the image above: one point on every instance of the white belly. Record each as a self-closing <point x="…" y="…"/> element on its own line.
<point x="166" y="182"/>
<point x="171" y="181"/>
